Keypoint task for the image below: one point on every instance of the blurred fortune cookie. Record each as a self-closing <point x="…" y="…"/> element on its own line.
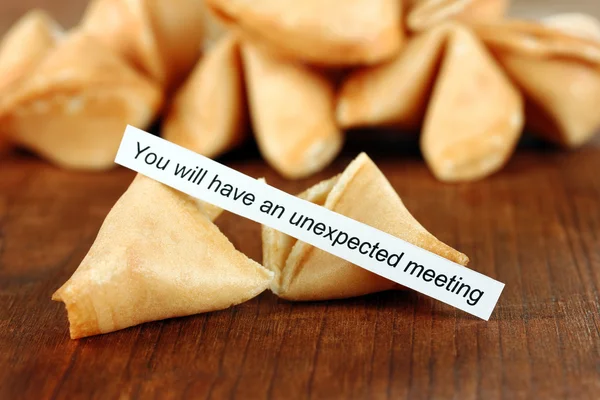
<point x="325" y="33"/>
<point x="446" y="80"/>
<point x="475" y="114"/>
<point x="21" y="49"/>
<point x="558" y="73"/>
<point x="292" y="112"/>
<point x="73" y="107"/>
<point x="63" y="101"/>
<point x="361" y="192"/>
<point x="208" y="114"/>
<point x="162" y="38"/>
<point x="425" y="14"/>
<point x="156" y="256"/>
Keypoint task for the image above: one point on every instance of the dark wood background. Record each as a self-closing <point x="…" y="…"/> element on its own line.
<point x="534" y="226"/>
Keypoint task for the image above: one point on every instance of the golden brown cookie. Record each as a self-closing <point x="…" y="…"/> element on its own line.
<point x="292" y="112"/>
<point x="325" y="33"/>
<point x="208" y="114"/>
<point x="21" y="50"/>
<point x="156" y="256"/>
<point x="162" y="38"/>
<point x="73" y="108"/>
<point x="472" y="115"/>
<point x="558" y="73"/>
<point x="361" y="192"/>
<point x="475" y="115"/>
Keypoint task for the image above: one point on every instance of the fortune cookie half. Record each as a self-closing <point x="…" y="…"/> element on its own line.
<point x="325" y="33"/>
<point x="361" y="192"/>
<point x="472" y="113"/>
<point x="558" y="73"/>
<point x="156" y="256"/>
<point x="425" y="14"/>
<point x="21" y="49"/>
<point x="73" y="108"/>
<point x="296" y="142"/>
<point x="162" y="38"/>
<point x="208" y="114"/>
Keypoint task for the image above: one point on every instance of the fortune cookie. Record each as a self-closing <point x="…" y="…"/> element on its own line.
<point x="325" y="33"/>
<point x="472" y="113"/>
<point x="21" y="49"/>
<point x="208" y="114"/>
<point x="156" y="256"/>
<point x="162" y="38"/>
<point x="296" y="142"/>
<point x="558" y="73"/>
<point x="73" y="108"/>
<point x="425" y="14"/>
<point x="475" y="114"/>
<point x="361" y="192"/>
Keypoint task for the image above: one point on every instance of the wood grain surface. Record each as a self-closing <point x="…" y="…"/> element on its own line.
<point x="534" y="226"/>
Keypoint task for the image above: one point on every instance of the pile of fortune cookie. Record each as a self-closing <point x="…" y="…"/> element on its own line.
<point x="298" y="74"/>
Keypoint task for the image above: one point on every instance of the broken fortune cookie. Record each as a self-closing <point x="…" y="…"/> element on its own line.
<point x="361" y="192"/>
<point x="156" y="256"/>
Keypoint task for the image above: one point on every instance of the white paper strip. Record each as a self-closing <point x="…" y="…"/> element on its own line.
<point x="360" y="244"/>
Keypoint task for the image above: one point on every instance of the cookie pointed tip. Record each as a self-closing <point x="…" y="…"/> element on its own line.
<point x="362" y="158"/>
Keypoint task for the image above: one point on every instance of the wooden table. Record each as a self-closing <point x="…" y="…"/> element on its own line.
<point x="534" y="226"/>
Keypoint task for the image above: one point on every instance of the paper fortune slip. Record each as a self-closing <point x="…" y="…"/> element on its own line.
<point x="360" y="244"/>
